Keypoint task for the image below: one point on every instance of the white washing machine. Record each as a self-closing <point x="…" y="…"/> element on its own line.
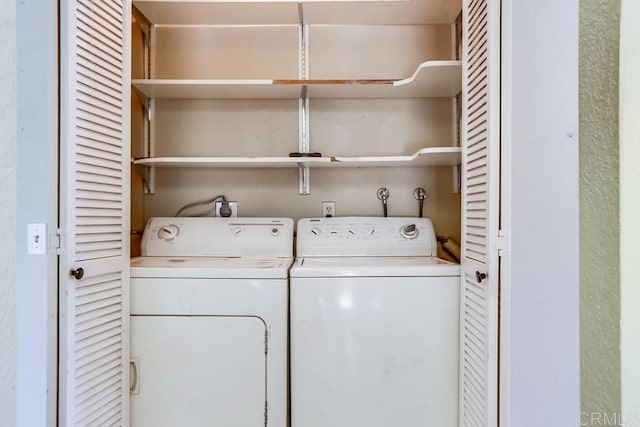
<point x="374" y="325"/>
<point x="209" y="301"/>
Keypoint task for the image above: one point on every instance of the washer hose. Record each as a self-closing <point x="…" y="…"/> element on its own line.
<point x="450" y="247"/>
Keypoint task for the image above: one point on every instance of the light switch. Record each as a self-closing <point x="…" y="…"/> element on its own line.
<point x="36" y="239"/>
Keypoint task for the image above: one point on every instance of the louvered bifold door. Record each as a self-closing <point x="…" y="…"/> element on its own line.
<point x="94" y="213"/>
<point x="480" y="203"/>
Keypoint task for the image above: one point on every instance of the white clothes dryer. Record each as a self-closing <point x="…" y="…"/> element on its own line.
<point x="209" y="300"/>
<point x="373" y="326"/>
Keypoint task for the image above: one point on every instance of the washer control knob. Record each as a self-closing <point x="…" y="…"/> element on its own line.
<point x="372" y="231"/>
<point x="237" y="231"/>
<point x="409" y="231"/>
<point x="315" y="231"/>
<point x="351" y="232"/>
<point x="275" y="231"/>
<point x="168" y="232"/>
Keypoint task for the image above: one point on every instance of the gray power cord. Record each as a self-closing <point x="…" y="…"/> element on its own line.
<point x="225" y="209"/>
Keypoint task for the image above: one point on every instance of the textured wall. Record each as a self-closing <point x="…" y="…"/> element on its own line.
<point x="8" y="128"/>
<point x="629" y="206"/>
<point x="599" y="200"/>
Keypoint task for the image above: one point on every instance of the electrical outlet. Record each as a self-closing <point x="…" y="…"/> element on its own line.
<point x="232" y="205"/>
<point x="36" y="239"/>
<point x="328" y="209"/>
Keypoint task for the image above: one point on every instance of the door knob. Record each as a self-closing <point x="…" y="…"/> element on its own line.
<point x="480" y="276"/>
<point x="78" y="273"/>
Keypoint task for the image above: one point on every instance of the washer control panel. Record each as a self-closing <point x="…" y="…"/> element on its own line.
<point x="218" y="237"/>
<point x="366" y="236"/>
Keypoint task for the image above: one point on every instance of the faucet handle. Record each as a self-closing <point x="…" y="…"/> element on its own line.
<point x="420" y="195"/>
<point x="383" y="194"/>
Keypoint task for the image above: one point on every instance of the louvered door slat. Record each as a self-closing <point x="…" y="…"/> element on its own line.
<point x="99" y="23"/>
<point x="99" y="82"/>
<point x="98" y="152"/>
<point x="102" y="414"/>
<point x="95" y="103"/>
<point x="91" y="51"/>
<point x="109" y="8"/>
<point x="480" y="168"/>
<point x="107" y="363"/>
<point x="101" y="109"/>
<point x="89" y="195"/>
<point x="89" y="60"/>
<point x="96" y="118"/>
<point x="89" y="137"/>
<point x="95" y="164"/>
<point x="105" y="169"/>
<point x="92" y="182"/>
<point x="85" y="96"/>
<point x="110" y="52"/>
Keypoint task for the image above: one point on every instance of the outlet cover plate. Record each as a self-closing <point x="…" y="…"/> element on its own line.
<point x="232" y="205"/>
<point x="328" y="209"/>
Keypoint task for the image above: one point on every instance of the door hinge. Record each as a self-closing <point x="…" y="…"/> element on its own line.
<point x="57" y="241"/>
<point x="502" y="242"/>
<point x="266" y="342"/>
<point x="266" y="413"/>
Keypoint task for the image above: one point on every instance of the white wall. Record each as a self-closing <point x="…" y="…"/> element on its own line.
<point x="630" y="208"/>
<point x="8" y="172"/>
<point x="37" y="171"/>
<point x="541" y="54"/>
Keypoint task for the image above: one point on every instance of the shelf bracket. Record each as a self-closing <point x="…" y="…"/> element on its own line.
<point x="457" y="114"/>
<point x="149" y="146"/>
<point x="149" y="104"/>
<point x="303" y="103"/>
<point x="143" y="22"/>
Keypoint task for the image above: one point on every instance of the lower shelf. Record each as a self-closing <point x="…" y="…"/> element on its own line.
<point x="435" y="156"/>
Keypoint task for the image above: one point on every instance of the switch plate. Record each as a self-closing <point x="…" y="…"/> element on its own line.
<point x="328" y="209"/>
<point x="232" y="205"/>
<point x="36" y="239"/>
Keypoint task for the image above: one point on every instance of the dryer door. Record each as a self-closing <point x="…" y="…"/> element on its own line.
<point x="198" y="371"/>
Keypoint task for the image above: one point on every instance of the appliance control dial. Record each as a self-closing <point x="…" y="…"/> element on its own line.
<point x="316" y="231"/>
<point x="237" y="231"/>
<point x="168" y="232"/>
<point x="275" y="231"/>
<point x="409" y="231"/>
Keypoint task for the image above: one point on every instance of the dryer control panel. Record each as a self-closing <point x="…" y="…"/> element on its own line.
<point x="366" y="236"/>
<point x="218" y="237"/>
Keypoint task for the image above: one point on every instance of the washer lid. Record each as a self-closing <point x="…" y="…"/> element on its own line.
<point x="374" y="267"/>
<point x="210" y="267"/>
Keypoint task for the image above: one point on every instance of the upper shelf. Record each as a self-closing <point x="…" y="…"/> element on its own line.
<point x="434" y="156"/>
<point x="432" y="79"/>
<point x="285" y="12"/>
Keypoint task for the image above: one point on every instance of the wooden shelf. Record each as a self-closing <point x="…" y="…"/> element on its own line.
<point x="215" y="89"/>
<point x="230" y="162"/>
<point x="285" y="12"/>
<point x="434" y="156"/>
<point x="432" y="79"/>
